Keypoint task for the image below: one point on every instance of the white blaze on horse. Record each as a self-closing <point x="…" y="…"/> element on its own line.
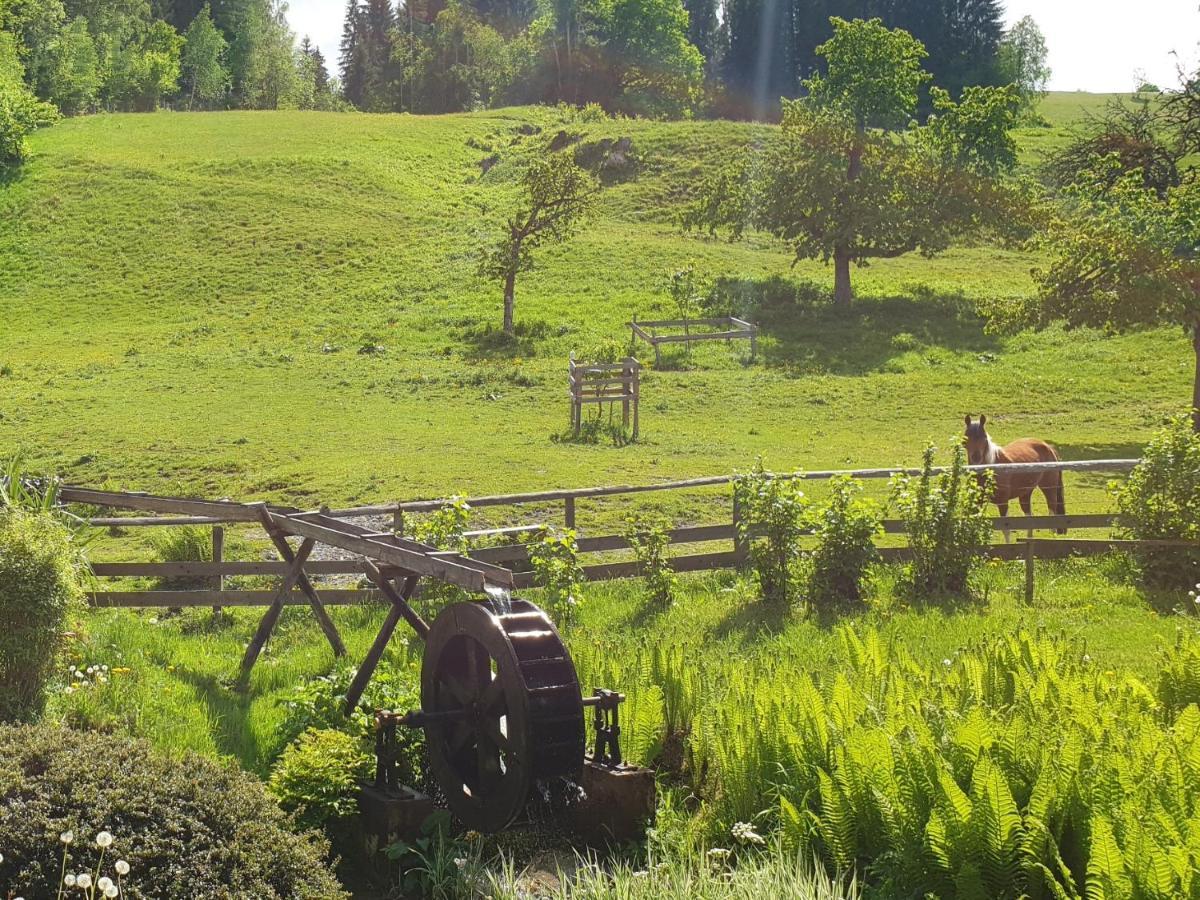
<point x="982" y="451"/>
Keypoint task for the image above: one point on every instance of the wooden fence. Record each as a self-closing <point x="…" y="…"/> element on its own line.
<point x="177" y="512"/>
<point x="600" y="383"/>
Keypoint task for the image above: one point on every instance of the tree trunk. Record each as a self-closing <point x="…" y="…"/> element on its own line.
<point x="510" y="286"/>
<point x="843" y="293"/>
<point x="1196" y="378"/>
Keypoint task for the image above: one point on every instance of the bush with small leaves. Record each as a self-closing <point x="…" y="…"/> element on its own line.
<point x="947" y="526"/>
<point x="444" y="529"/>
<point x="317" y="777"/>
<point x="187" y="827"/>
<point x="845" y="529"/>
<point x="39" y="583"/>
<point x="650" y="539"/>
<point x="771" y="520"/>
<point x="556" y="569"/>
<point x="1160" y="500"/>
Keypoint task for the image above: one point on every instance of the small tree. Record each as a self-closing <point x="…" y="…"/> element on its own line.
<point x="847" y="180"/>
<point x="686" y="293"/>
<point x="204" y="74"/>
<point x="1022" y="60"/>
<point x="772" y="519"/>
<point x="557" y="195"/>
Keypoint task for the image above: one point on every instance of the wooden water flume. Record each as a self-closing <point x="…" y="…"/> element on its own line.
<point x="501" y="704"/>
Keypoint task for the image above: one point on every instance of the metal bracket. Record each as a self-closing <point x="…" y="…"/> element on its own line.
<point x="607" y="750"/>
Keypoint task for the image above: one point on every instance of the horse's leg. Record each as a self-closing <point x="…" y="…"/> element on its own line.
<point x="1027" y="508"/>
<point x="1003" y="508"/>
<point x="1052" y="489"/>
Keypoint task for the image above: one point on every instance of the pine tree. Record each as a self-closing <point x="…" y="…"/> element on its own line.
<point x="379" y="23"/>
<point x="352" y="64"/>
<point x="703" y="24"/>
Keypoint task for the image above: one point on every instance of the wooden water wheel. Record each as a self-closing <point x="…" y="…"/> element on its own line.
<point x="501" y="708"/>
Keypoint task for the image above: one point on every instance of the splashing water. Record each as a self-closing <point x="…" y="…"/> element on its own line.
<point x="501" y="598"/>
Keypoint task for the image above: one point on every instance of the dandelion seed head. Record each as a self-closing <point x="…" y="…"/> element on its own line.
<point x="69" y="881"/>
<point x="122" y="867"/>
<point x="67" y="837"/>
<point x="111" y="891"/>
<point x="83" y="880"/>
<point x="104" y="840"/>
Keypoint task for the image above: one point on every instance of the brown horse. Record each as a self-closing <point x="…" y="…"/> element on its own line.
<point x="981" y="451"/>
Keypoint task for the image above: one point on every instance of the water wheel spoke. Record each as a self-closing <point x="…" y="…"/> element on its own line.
<point x="461" y="733"/>
<point x="464" y="693"/>
<point x="492" y="700"/>
<point x="492" y="732"/>
<point x="487" y="757"/>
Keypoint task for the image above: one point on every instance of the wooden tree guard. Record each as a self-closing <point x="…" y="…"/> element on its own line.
<point x="729" y="328"/>
<point x="610" y="383"/>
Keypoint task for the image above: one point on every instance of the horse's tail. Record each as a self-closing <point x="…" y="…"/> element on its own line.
<point x="1060" y="508"/>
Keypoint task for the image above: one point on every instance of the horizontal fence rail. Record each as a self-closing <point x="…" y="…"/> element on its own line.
<point x="181" y="511"/>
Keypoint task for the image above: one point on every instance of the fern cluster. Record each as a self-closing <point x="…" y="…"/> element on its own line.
<point x="1018" y="768"/>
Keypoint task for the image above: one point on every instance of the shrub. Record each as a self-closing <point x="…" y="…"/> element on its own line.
<point x="947" y="527"/>
<point x="189" y="543"/>
<point x="556" y="569"/>
<point x="771" y="519"/>
<point x="188" y="827"/>
<point x="318" y="704"/>
<point x="39" y="583"/>
<point x="845" y="529"/>
<point x="317" y="776"/>
<point x="650" y="540"/>
<point x="1161" y="501"/>
<point x="1179" y="675"/>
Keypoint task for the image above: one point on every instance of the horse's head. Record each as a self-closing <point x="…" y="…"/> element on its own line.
<point x="976" y="440"/>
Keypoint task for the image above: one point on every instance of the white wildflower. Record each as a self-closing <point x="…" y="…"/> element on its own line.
<point x="67" y="837"/>
<point x="111" y="891"/>
<point x="69" y="881"/>
<point x="104" y="840"/>
<point x="946" y="662"/>
<point x="83" y="880"/>
<point x="744" y="832"/>
<point x="122" y="867"/>
<point x="460" y="862"/>
<point x="718" y="853"/>
<point x="104" y="883"/>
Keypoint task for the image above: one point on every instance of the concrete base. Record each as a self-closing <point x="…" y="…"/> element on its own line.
<point x="394" y="814"/>
<point x="618" y="805"/>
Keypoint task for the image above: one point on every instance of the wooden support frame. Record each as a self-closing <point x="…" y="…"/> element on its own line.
<point x="271" y="618"/>
<point x="400" y="610"/>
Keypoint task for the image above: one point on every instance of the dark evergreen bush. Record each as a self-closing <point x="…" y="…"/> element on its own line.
<point x="188" y="827"/>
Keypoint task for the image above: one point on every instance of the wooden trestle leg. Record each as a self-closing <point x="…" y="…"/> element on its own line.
<point x="400" y="610"/>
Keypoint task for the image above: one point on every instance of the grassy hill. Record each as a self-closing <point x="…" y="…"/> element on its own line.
<point x="185" y="297"/>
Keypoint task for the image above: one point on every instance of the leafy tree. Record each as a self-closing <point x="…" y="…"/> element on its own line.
<point x="557" y="195"/>
<point x="154" y="66"/>
<point x="845" y="181"/>
<point x="20" y="110"/>
<point x="1022" y="59"/>
<point x="1122" y="232"/>
<point x="204" y="75"/>
<point x="652" y="67"/>
<point x="73" y="81"/>
<point x="270" y="77"/>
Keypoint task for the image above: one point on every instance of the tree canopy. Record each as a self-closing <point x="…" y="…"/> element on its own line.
<point x="1121" y="227"/>
<point x="848" y="178"/>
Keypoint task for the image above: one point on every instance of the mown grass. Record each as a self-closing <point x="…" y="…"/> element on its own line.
<point x="184" y="299"/>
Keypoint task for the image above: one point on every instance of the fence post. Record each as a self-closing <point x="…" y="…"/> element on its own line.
<point x="218" y="553"/>
<point x="569" y="511"/>
<point x="1029" y="557"/>
<point x="398" y="520"/>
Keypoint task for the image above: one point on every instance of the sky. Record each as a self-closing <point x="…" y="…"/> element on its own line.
<point x="1094" y="45"/>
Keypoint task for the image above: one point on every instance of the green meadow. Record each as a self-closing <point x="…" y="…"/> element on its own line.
<point x="284" y="306"/>
<point x="184" y="300"/>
